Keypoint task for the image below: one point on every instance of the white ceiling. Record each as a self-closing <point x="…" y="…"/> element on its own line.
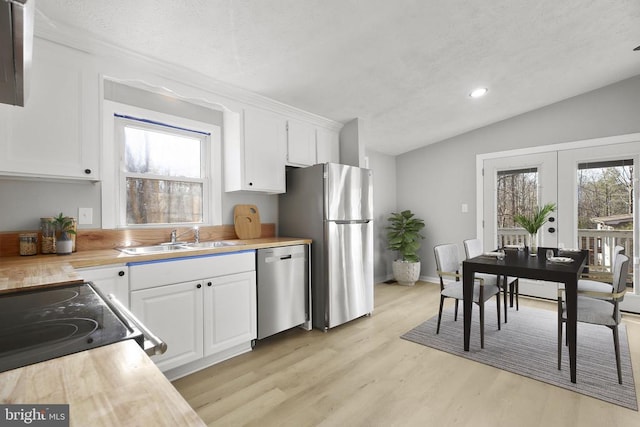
<point x="404" y="67"/>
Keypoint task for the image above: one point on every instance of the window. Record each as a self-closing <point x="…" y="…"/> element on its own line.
<point x="161" y="158"/>
<point x="163" y="171"/>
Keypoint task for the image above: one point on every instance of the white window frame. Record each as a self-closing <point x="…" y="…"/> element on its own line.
<point x="113" y="191"/>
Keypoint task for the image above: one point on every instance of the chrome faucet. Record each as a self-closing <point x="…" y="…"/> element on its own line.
<point x="196" y="234"/>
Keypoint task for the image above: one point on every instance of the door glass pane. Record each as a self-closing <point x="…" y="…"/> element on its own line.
<point x="517" y="193"/>
<point x="605" y="210"/>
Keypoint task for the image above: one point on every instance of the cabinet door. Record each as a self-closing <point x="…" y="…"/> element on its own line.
<point x="110" y="280"/>
<point x="174" y="314"/>
<point x="56" y="133"/>
<point x="301" y="144"/>
<point x="264" y="151"/>
<point x="327" y="146"/>
<point x="229" y="311"/>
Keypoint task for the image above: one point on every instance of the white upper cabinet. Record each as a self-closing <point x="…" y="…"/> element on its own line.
<point x="308" y="145"/>
<point x="327" y="146"/>
<point x="56" y="134"/>
<point x="255" y="158"/>
<point x="301" y="143"/>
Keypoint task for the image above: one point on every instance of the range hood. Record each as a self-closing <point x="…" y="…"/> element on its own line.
<point x="16" y="44"/>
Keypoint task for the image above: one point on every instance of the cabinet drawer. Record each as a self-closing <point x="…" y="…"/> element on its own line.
<point x="150" y="274"/>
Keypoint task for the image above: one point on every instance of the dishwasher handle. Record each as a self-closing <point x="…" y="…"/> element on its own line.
<point x="287" y="257"/>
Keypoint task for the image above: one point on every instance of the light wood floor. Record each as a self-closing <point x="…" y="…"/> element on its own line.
<point x="363" y="374"/>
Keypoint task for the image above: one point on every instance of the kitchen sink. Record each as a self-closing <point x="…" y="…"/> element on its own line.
<point x="154" y="249"/>
<point x="173" y="247"/>
<point x="214" y="244"/>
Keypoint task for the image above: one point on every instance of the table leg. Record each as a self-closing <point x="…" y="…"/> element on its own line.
<point x="505" y="287"/>
<point x="571" y="301"/>
<point x="467" y="294"/>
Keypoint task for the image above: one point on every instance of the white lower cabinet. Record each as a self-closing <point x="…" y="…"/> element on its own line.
<point x="204" y="319"/>
<point x="230" y="311"/>
<point x="110" y="280"/>
<point x="174" y="314"/>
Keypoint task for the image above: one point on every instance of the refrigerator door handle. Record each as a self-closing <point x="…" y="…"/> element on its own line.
<point x="357" y="221"/>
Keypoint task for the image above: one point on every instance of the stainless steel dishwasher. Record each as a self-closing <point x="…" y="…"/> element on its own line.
<point x="283" y="288"/>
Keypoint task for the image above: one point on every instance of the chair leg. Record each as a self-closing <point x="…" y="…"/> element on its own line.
<point x="517" y="287"/>
<point x="511" y="288"/>
<point x="616" y="344"/>
<point x="440" y="313"/>
<point x="481" y="325"/>
<point x="455" y="313"/>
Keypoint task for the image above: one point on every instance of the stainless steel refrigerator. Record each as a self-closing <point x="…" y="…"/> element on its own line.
<point x="333" y="205"/>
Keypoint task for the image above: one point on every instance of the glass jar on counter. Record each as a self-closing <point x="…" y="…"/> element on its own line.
<point x="28" y="243"/>
<point x="48" y="241"/>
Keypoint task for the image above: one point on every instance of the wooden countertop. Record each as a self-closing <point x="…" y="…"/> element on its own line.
<point x="20" y="272"/>
<point x="114" y="385"/>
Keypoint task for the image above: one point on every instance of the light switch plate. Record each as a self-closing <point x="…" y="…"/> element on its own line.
<point x="85" y="215"/>
<point x="465" y="208"/>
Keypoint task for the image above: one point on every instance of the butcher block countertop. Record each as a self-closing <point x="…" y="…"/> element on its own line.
<point x="20" y="272"/>
<point x="114" y="385"/>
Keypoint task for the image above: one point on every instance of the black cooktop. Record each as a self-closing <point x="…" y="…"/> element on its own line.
<point x="43" y="324"/>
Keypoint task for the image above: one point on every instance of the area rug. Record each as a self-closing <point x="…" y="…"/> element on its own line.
<point x="527" y="345"/>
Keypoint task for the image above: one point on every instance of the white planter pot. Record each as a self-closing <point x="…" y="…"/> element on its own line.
<point x="405" y="272"/>
<point x="64" y="247"/>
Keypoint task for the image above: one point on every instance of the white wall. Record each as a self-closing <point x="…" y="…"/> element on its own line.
<point x="436" y="180"/>
<point x="384" y="202"/>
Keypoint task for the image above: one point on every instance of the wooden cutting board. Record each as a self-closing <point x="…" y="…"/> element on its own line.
<point x="246" y="220"/>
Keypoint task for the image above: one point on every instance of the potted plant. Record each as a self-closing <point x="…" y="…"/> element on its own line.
<point x="533" y="223"/>
<point x="64" y="227"/>
<point x="403" y="235"/>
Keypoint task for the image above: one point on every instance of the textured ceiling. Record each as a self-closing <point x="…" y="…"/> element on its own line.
<point x="404" y="67"/>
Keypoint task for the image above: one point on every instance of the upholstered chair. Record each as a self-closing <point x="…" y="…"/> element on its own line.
<point x="448" y="266"/>
<point x="599" y="308"/>
<point x="474" y="248"/>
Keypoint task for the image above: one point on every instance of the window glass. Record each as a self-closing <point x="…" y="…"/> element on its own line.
<point x="517" y="193"/>
<point x="161" y="153"/>
<point x="162" y="177"/>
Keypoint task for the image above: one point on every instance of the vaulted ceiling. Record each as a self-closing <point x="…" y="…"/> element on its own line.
<point x="405" y="67"/>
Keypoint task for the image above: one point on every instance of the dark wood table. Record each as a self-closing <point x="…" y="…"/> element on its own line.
<point x="521" y="264"/>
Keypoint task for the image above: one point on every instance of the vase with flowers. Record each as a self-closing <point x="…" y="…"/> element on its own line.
<point x="533" y="223"/>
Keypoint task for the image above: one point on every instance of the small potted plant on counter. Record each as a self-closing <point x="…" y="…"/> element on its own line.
<point x="403" y="235"/>
<point x="64" y="227"/>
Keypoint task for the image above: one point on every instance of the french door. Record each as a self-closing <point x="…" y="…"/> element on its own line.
<point x="518" y="184"/>
<point x="589" y="186"/>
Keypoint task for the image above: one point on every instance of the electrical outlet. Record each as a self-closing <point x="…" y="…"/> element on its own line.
<point x="85" y="216"/>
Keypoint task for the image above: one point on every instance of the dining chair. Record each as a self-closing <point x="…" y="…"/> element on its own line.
<point x="599" y="308"/>
<point x="588" y="284"/>
<point x="448" y="267"/>
<point x="474" y="248"/>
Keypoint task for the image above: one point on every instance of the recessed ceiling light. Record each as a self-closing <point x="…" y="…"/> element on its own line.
<point x="477" y="93"/>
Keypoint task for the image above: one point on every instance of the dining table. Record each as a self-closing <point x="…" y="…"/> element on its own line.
<point x="520" y="263"/>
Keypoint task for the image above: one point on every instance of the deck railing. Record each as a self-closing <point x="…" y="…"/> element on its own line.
<point x="599" y="242"/>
